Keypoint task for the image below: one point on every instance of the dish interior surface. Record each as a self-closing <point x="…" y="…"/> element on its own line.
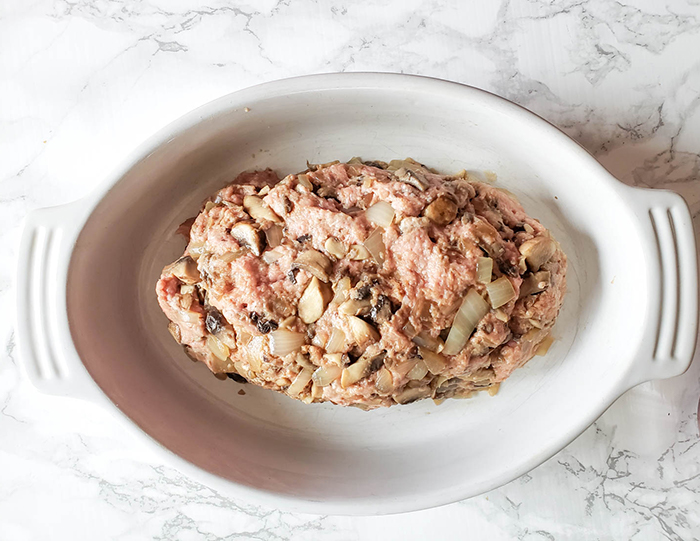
<point x="321" y="452"/>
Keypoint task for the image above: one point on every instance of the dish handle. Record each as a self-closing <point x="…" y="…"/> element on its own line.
<point x="48" y="356"/>
<point x="672" y="269"/>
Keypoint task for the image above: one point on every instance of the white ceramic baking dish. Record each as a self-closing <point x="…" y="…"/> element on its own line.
<point x="89" y="325"/>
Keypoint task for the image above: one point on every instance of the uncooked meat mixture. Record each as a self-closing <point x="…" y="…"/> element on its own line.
<point x="364" y="284"/>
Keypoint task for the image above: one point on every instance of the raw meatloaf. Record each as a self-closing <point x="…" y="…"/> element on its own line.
<point x="364" y="284"/>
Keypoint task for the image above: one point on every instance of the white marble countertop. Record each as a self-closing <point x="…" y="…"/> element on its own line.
<point x="83" y="82"/>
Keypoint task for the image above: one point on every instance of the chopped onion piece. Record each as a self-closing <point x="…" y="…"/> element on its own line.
<point x="544" y="346"/>
<point x="254" y="353"/>
<point x="284" y="342"/>
<point x="316" y="391"/>
<point x="271" y="256"/>
<point x="424" y="340"/>
<point x="336" y="342"/>
<point x="405" y="367"/>
<point x="500" y="292"/>
<point x="381" y="214"/>
<point x="300" y="382"/>
<point x="362" y="331"/>
<point x="274" y="236"/>
<point x="218" y="348"/>
<point x="385" y="381"/>
<point x="418" y="371"/>
<point x="468" y="316"/>
<point x="196" y="248"/>
<point x="325" y="375"/>
<point x="435" y="362"/>
<point x="409" y="330"/>
<point x="342" y="287"/>
<point x="484" y="269"/>
<point x="375" y="246"/>
<point x="493" y="390"/>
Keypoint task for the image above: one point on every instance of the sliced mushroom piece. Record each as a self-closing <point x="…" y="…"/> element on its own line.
<point x="258" y="210"/>
<point x="354" y="307"/>
<point x="381" y="310"/>
<point x="185" y="270"/>
<point x="336" y="248"/>
<point x="441" y="211"/>
<point x="414" y="178"/>
<point x="314" y="301"/>
<point x="375" y="246"/>
<point x="538" y="251"/>
<point x="488" y="239"/>
<point x="303" y="180"/>
<point x="315" y="263"/>
<point x="274" y="235"/>
<point x="358" y="252"/>
<point x="303" y="361"/>
<point x="411" y="394"/>
<point x="215" y="320"/>
<point x="174" y="329"/>
<point x="355" y="372"/>
<point x="362" y="331"/>
<point x="249" y="236"/>
<point x="263" y="324"/>
<point x="534" y="283"/>
<point x="376" y="163"/>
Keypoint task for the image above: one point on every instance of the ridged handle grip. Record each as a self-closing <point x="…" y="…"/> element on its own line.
<point x="672" y="319"/>
<point x="47" y="352"/>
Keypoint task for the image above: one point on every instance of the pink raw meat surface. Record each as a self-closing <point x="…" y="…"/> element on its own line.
<point x="280" y="286"/>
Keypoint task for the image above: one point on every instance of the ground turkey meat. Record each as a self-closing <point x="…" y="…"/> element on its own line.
<point x="364" y="284"/>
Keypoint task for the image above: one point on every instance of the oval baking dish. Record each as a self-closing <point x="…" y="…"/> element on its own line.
<point x="89" y="325"/>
